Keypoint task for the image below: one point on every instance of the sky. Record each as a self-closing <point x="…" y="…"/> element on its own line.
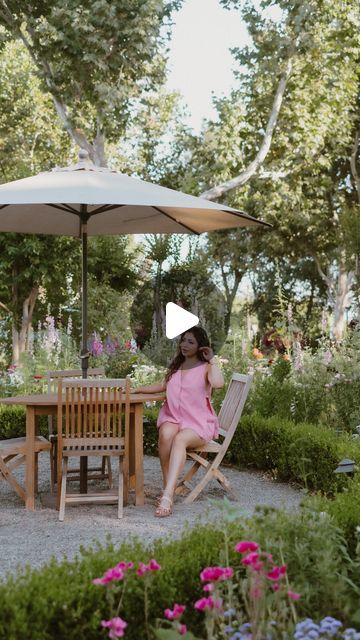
<point x="200" y="62"/>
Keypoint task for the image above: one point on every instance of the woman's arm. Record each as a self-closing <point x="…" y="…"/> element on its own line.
<point x="214" y="375"/>
<point x="157" y="387"/>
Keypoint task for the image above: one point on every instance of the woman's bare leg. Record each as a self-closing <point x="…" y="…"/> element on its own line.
<point x="167" y="433"/>
<point x="184" y="439"/>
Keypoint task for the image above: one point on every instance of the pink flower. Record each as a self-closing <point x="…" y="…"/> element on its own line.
<point x="213" y="574"/>
<point x="154" y="566"/>
<point x="276" y="572"/>
<point x="275" y="586"/>
<point x="182" y="629"/>
<point x="208" y="587"/>
<point x="208" y="603"/>
<point x="293" y="595"/>
<point x="246" y="545"/>
<point x="144" y="568"/>
<point x="116" y="626"/>
<point x="125" y="565"/>
<point x="176" y="612"/>
<point x="110" y="575"/>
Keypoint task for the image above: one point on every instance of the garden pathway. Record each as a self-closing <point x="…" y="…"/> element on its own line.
<point x="34" y="537"/>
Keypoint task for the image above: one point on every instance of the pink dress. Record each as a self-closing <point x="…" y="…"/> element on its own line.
<point x="188" y="403"/>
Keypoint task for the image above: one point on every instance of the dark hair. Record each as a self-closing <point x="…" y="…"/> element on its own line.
<point x="201" y="338"/>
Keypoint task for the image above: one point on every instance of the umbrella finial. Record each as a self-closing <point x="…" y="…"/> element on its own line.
<point x="83" y="155"/>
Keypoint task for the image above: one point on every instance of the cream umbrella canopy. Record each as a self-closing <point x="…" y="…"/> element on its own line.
<point x="83" y="200"/>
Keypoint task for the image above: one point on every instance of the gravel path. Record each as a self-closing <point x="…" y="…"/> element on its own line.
<point x="34" y="537"/>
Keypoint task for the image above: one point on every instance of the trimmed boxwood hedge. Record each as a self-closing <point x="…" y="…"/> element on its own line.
<point x="59" y="601"/>
<point x="306" y="454"/>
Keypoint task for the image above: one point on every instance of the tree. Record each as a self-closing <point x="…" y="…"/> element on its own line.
<point x="304" y="185"/>
<point x="96" y="59"/>
<point x="29" y="142"/>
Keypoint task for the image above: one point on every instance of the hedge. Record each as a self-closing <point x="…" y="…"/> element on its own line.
<point x="305" y="454"/>
<point x="60" y="601"/>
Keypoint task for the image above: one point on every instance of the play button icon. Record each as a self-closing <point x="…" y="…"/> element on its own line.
<point x="178" y="320"/>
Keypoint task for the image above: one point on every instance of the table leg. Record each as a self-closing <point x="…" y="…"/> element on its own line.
<point x="132" y="451"/>
<point x="30" y="459"/>
<point x="83" y="474"/>
<point x="139" y="455"/>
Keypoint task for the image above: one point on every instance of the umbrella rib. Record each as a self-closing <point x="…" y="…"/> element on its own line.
<point x="174" y="220"/>
<point x="246" y="216"/>
<point x="106" y="207"/>
<point x="63" y="207"/>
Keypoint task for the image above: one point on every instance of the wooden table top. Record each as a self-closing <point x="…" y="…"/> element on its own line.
<point x="46" y="399"/>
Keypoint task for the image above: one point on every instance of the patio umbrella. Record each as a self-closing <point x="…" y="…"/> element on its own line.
<point x="83" y="199"/>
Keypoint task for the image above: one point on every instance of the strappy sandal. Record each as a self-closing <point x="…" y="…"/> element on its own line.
<point x="162" y="511"/>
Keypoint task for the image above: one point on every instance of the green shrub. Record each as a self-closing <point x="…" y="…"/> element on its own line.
<point x="60" y="601"/>
<point x="304" y="453"/>
<point x="344" y="509"/>
<point x="13" y="422"/>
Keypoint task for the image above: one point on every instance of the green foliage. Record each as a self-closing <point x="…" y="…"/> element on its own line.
<point x="13" y="422"/>
<point x="60" y="599"/>
<point x="305" y="187"/>
<point x="95" y="58"/>
<point x="319" y="386"/>
<point x="31" y="139"/>
<point x="344" y="509"/>
<point x="304" y="453"/>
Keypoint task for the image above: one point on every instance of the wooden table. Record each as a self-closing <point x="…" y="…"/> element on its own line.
<point x="46" y="404"/>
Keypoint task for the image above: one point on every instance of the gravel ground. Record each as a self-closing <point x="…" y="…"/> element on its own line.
<point x="34" y="537"/>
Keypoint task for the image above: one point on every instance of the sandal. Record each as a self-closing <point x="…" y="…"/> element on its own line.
<point x="164" y="511"/>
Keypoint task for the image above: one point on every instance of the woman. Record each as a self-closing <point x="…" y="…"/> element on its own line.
<point x="187" y="419"/>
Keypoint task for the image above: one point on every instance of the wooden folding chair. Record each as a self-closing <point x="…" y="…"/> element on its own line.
<point x="93" y="420"/>
<point x="229" y="417"/>
<point x="12" y="454"/>
<point x="94" y="473"/>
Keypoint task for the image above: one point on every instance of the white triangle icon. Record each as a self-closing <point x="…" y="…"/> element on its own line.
<point x="178" y="320"/>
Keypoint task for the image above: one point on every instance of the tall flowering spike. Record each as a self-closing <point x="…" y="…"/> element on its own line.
<point x="246" y="545"/>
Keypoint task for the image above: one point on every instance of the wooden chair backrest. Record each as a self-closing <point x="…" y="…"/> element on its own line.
<point x="93" y="412"/>
<point x="53" y="377"/>
<point x="233" y="403"/>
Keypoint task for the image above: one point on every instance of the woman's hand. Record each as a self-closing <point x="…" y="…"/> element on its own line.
<point x="207" y="352"/>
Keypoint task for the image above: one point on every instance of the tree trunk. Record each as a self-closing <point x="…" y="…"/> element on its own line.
<point x="339" y="289"/>
<point x="230" y="293"/>
<point x="343" y="286"/>
<point x="250" y="171"/>
<point x="20" y="334"/>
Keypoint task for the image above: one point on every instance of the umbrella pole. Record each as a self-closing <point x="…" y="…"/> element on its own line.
<point x="84" y="354"/>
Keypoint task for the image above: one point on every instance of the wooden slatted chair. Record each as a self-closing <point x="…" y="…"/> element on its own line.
<point x="229" y="418"/>
<point x="101" y="472"/>
<point x="93" y="420"/>
<point x="13" y="454"/>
